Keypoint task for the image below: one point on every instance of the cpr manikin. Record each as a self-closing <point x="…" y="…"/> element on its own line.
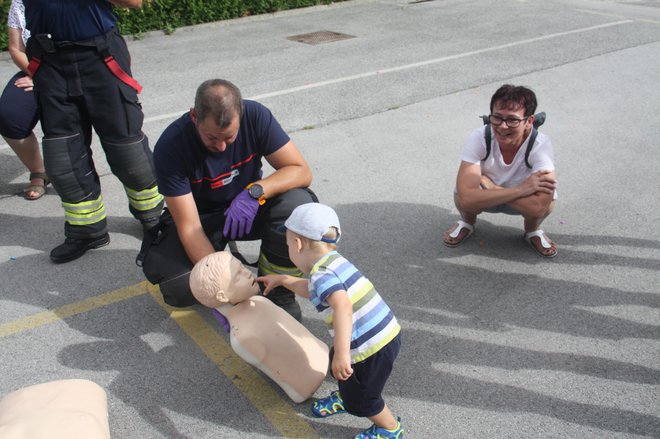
<point x="261" y="333"/>
<point x="66" y="409"/>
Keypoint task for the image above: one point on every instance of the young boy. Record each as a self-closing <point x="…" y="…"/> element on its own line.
<point x="365" y="331"/>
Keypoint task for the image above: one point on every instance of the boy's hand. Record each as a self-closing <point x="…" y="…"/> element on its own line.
<point x="271" y="281"/>
<point x="341" y="367"/>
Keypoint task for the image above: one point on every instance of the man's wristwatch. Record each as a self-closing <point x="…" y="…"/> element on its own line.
<point x="256" y="191"/>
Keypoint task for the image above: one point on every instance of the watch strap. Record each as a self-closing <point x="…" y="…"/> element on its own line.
<point x="261" y="199"/>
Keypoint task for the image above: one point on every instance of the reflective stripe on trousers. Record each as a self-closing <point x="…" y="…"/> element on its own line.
<point x="144" y="200"/>
<point x="84" y="212"/>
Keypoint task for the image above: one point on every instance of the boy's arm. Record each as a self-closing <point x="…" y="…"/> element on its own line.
<point x="342" y="323"/>
<point x="295" y="284"/>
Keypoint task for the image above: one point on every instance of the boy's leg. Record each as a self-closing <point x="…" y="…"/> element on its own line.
<point x="385" y="419"/>
<point x="363" y="392"/>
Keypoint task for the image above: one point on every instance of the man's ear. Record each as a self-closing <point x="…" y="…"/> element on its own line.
<point x="193" y="115"/>
<point x="221" y="296"/>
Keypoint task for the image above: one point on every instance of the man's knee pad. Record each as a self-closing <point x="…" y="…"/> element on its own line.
<point x="176" y="291"/>
<point x="273" y="240"/>
<point x="131" y="162"/>
<point x="69" y="167"/>
<point x="281" y="206"/>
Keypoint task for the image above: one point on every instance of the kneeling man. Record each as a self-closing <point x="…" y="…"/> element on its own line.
<point x="209" y="168"/>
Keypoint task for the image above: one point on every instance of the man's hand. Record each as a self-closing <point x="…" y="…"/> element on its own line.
<point x="240" y="215"/>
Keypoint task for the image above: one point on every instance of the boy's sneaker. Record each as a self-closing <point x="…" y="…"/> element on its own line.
<point x="381" y="433"/>
<point x="332" y="405"/>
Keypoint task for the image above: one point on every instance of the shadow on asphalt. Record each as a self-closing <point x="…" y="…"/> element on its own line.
<point x="398" y="246"/>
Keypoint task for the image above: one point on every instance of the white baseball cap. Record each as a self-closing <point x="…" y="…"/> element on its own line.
<point x="313" y="220"/>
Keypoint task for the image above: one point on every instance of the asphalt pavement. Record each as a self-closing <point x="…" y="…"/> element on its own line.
<point x="497" y="342"/>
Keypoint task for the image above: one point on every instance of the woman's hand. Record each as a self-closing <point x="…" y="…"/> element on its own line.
<point x="25" y="83"/>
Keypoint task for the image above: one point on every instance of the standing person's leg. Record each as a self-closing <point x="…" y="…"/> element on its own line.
<point x="18" y="117"/>
<point x="125" y="145"/>
<point x="274" y="254"/>
<point x="67" y="155"/>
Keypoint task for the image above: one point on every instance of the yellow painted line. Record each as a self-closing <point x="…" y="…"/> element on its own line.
<point x="46" y="317"/>
<point x="256" y="389"/>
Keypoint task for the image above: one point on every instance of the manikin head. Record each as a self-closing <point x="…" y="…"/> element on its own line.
<point x="220" y="278"/>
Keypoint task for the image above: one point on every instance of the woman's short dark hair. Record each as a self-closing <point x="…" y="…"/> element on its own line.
<point x="508" y="94"/>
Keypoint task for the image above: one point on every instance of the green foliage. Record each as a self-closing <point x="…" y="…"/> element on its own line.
<point x="168" y="15"/>
<point x="4" y="7"/>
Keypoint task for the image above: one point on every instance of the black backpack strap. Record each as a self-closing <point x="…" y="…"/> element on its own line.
<point x="539" y="119"/>
<point x="487" y="135"/>
<point x="530" y="145"/>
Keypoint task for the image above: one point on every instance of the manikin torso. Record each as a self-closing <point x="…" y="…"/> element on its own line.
<point x="65" y="409"/>
<point x="261" y="333"/>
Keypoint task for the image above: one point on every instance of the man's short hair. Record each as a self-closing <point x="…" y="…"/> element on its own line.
<point x="220" y="100"/>
<point x="510" y="94"/>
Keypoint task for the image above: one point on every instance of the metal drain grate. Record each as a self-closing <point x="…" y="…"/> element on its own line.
<point x="319" y="37"/>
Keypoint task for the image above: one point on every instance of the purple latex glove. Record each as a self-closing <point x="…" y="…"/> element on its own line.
<point x="240" y="215"/>
<point x="221" y="319"/>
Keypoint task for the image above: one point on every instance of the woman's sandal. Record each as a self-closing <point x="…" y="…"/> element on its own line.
<point x="545" y="242"/>
<point x="460" y="225"/>
<point x="40" y="189"/>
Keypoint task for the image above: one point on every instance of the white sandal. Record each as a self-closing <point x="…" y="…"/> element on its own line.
<point x="457" y="231"/>
<point x="545" y="243"/>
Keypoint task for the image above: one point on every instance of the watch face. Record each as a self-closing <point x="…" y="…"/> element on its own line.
<point x="256" y="191"/>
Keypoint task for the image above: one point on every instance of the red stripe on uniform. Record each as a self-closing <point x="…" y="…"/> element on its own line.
<point x="226" y="174"/>
<point x="122" y="75"/>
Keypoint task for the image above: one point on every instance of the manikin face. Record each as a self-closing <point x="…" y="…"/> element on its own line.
<point x="506" y="136"/>
<point x="241" y="282"/>
<point x="214" y="138"/>
<point x="220" y="278"/>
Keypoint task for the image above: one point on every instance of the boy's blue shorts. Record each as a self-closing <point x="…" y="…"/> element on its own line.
<point x="362" y="391"/>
